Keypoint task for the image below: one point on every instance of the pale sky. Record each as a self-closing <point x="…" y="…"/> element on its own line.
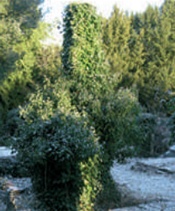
<point x="104" y="7"/>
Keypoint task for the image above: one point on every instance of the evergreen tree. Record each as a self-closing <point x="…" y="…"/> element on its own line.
<point x="13" y="16"/>
<point x="168" y="30"/>
<point x="20" y="35"/>
<point x="24" y="12"/>
<point x="159" y="56"/>
<point x="134" y="75"/>
<point x="115" y="37"/>
<point x="151" y="70"/>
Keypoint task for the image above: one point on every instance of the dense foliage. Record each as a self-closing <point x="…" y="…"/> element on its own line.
<point x="116" y="36"/>
<point x="82" y="55"/>
<point x="92" y="86"/>
<point x="54" y="138"/>
<point x="71" y="110"/>
<point x="139" y="50"/>
<point x="20" y="35"/>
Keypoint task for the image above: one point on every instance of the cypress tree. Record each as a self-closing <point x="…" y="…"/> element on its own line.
<point x="115" y="37"/>
<point x="135" y="75"/>
<point x="159" y="56"/>
<point x="150" y="86"/>
<point x="168" y="30"/>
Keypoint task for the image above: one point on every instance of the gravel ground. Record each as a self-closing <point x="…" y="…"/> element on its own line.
<point x="155" y="185"/>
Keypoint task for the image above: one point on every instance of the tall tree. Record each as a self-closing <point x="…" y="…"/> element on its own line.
<point x="84" y="67"/>
<point x="159" y="54"/>
<point x="116" y="36"/>
<point x="134" y="75"/>
<point x="26" y="13"/>
<point x="151" y="70"/>
<point x="82" y="56"/>
<point x="20" y="35"/>
<point x="168" y="30"/>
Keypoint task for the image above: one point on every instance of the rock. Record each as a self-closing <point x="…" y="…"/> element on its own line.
<point x="16" y="195"/>
<point x="155" y="166"/>
<point x="162" y="135"/>
<point x="152" y="206"/>
<point x="170" y="153"/>
<point x="5" y="151"/>
<point x="9" y="164"/>
<point x="146" y="183"/>
<point x="157" y="133"/>
<point x="172" y="148"/>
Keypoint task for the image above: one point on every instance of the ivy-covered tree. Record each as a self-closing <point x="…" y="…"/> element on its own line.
<point x="92" y="85"/>
<point x="82" y="55"/>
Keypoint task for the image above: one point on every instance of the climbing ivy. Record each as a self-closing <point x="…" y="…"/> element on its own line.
<point x="82" y="55"/>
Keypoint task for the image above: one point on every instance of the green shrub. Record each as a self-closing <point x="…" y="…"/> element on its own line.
<point x="115" y="123"/>
<point x="57" y="141"/>
<point x="146" y="130"/>
<point x="171" y="125"/>
<point x="56" y="148"/>
<point x="169" y="103"/>
<point x="82" y="53"/>
<point x="8" y="128"/>
<point x="91" y="174"/>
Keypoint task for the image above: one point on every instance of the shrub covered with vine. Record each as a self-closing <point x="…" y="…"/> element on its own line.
<point x="59" y="149"/>
<point x="93" y="88"/>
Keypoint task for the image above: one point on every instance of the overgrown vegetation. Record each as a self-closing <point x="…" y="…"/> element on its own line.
<point x="57" y="147"/>
<point x="71" y="110"/>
